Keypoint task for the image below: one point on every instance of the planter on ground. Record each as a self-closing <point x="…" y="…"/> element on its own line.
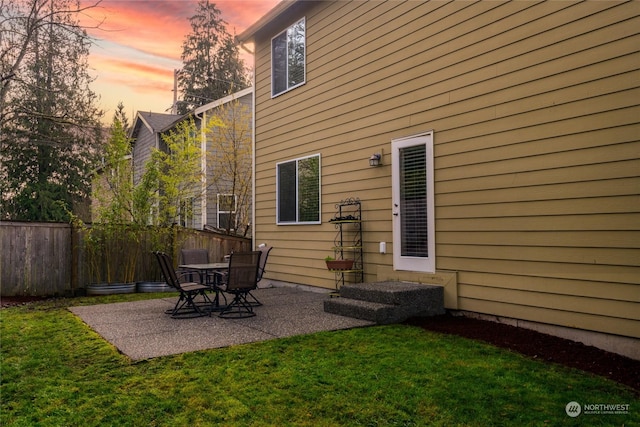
<point x="110" y="288"/>
<point x="154" y="287"/>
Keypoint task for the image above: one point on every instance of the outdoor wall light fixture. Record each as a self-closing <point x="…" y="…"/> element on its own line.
<point x="375" y="159"/>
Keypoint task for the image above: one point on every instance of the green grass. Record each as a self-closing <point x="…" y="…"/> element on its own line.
<point x="55" y="371"/>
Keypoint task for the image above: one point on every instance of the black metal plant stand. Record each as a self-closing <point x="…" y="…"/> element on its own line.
<point x="348" y="240"/>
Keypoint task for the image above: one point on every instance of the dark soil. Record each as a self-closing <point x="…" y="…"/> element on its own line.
<point x="530" y="343"/>
<point x="538" y="346"/>
<point x="20" y="300"/>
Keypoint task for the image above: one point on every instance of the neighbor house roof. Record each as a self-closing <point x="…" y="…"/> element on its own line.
<point x="157" y="121"/>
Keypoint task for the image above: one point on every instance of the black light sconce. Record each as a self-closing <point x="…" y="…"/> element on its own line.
<point x="375" y="159"/>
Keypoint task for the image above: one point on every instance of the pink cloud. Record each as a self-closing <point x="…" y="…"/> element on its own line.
<point x="141" y="43"/>
<point x="160" y="27"/>
<point x="108" y="64"/>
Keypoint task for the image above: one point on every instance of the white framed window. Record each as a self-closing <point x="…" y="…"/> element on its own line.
<point x="185" y="212"/>
<point x="226" y="207"/>
<point x="298" y="191"/>
<point x="414" y="244"/>
<point x="288" y="58"/>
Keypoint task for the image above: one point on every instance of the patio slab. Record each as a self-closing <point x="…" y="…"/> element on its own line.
<point x="141" y="329"/>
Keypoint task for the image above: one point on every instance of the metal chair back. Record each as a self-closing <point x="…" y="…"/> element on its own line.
<point x="243" y="271"/>
<point x="167" y="269"/>
<point x="195" y="256"/>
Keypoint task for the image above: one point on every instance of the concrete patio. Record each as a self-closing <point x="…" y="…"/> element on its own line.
<point x="141" y="330"/>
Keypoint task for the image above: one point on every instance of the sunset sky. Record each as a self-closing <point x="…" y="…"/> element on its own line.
<point x="139" y="45"/>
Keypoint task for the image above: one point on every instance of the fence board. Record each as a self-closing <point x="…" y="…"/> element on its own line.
<point x="44" y="259"/>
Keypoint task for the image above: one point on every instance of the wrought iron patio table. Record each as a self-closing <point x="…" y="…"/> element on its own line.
<point x="205" y="271"/>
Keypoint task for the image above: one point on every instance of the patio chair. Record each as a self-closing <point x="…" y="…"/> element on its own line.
<point x="186" y="306"/>
<point x="194" y="256"/>
<point x="264" y="250"/>
<point x="240" y="279"/>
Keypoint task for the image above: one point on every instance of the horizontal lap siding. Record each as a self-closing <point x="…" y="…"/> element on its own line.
<point x="142" y="150"/>
<point x="535" y="112"/>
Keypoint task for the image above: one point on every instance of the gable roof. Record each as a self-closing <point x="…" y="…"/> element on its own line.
<point x="154" y="122"/>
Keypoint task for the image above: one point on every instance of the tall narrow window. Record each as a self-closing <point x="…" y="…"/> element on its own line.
<point x="298" y="189"/>
<point x="288" y="50"/>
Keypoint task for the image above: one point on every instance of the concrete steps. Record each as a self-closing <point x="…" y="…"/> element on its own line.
<point x="387" y="302"/>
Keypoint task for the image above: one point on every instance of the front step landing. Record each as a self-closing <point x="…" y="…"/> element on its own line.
<point x="387" y="302"/>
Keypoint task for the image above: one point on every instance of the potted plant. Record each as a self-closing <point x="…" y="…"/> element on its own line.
<point x="112" y="243"/>
<point x="338" y="264"/>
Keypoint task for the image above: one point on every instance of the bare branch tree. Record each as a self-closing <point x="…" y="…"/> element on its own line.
<point x="20" y="21"/>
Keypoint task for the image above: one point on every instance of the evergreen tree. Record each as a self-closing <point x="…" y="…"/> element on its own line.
<point x="113" y="183"/>
<point x="49" y="122"/>
<point x="212" y="65"/>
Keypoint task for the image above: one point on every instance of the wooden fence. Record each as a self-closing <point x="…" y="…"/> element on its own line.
<point x="44" y="259"/>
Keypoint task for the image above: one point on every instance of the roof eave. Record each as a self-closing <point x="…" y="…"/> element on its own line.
<point x="222" y="101"/>
<point x="248" y="34"/>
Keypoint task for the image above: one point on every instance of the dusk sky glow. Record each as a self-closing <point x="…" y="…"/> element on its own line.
<point x="139" y="44"/>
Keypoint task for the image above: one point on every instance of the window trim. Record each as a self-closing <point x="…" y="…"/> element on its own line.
<point x="232" y="212"/>
<point x="304" y="79"/>
<point x="297" y="220"/>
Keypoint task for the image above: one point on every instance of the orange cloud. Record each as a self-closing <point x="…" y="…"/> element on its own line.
<point x="133" y="67"/>
<point x="140" y="43"/>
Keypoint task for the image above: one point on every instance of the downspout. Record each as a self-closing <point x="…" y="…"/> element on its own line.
<point x="253" y="147"/>
<point x="203" y="165"/>
<point x="253" y="160"/>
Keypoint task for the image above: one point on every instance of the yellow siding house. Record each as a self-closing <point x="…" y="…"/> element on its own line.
<point x="509" y="143"/>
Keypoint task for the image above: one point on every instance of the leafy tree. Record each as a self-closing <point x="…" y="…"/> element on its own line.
<point x="176" y="174"/>
<point x="229" y="162"/>
<point x="49" y="122"/>
<point x="212" y="65"/>
<point x="113" y="182"/>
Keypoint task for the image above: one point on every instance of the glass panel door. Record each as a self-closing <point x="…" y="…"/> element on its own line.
<point x="413" y="213"/>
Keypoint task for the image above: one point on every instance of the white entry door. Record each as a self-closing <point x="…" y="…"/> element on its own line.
<point x="413" y="203"/>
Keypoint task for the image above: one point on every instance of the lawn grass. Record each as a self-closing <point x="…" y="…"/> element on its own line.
<point x="55" y="371"/>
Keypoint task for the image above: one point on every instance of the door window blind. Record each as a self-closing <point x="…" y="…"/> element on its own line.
<point x="413" y="201"/>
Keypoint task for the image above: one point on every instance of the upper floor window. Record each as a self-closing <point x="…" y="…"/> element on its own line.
<point x="288" y="50"/>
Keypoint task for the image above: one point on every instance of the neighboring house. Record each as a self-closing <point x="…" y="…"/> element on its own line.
<point x="147" y="131"/>
<point x="146" y="134"/>
<point x="227" y="204"/>
<point x="522" y="116"/>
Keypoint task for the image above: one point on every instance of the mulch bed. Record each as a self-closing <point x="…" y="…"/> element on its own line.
<point x="20" y="300"/>
<point x="525" y="341"/>
<point x="538" y="346"/>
